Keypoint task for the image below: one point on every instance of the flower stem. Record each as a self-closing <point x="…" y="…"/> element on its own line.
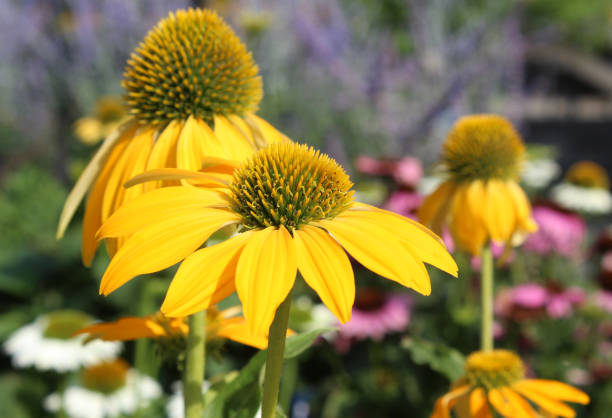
<point x="193" y="371"/>
<point x="486" y="294"/>
<point x="274" y="360"/>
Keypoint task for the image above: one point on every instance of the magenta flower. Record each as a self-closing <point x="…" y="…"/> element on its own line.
<point x="407" y="171"/>
<point x="532" y="300"/>
<point x="404" y="202"/>
<point x="559" y="232"/>
<point x="603" y="300"/>
<point x="375" y="315"/>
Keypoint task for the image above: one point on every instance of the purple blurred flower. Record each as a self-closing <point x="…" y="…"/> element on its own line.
<point x="531" y="300"/>
<point x="603" y="300"/>
<point x="404" y="202"/>
<point x="559" y="232"/>
<point x="375" y="315"/>
<point x="406" y="172"/>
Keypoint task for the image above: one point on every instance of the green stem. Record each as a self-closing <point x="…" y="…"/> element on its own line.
<point x="288" y="382"/>
<point x="486" y="293"/>
<point x="274" y="359"/>
<point x="193" y="371"/>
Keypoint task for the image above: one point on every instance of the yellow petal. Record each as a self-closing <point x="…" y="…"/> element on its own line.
<point x="265" y="275"/>
<point x="92" y="219"/>
<point x="556" y="390"/>
<point x="264" y="133"/>
<point x="163" y="154"/>
<point x="237" y="330"/>
<point x="502" y="405"/>
<point x="501" y="215"/>
<point x="327" y="270"/>
<point x="162" y="245"/>
<point x="143" y="143"/>
<point x="234" y="141"/>
<point x="378" y="250"/>
<point x="90" y="174"/>
<point x="519" y="404"/>
<point x="125" y="329"/>
<point x="478" y="404"/>
<point x="244" y="128"/>
<point x="196" y="141"/>
<point x="467" y="229"/>
<point x="169" y="174"/>
<point x="523" y="209"/>
<point x="433" y="211"/>
<point x="545" y="402"/>
<point x="204" y="277"/>
<point x="445" y="403"/>
<point x="427" y="246"/>
<point x="157" y="206"/>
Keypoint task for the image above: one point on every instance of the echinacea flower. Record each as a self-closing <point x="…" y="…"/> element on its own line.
<point x="481" y="200"/>
<point x="586" y="188"/>
<point x="192" y="90"/>
<point x="495" y="381"/>
<point x="108" y="114"/>
<point x="559" y="232"/>
<point x="532" y="300"/>
<point x="293" y="209"/>
<point x="374" y="315"/>
<point x="219" y="324"/>
<point x="48" y="344"/>
<point x="109" y="389"/>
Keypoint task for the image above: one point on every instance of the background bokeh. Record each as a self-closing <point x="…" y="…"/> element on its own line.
<point x="385" y="79"/>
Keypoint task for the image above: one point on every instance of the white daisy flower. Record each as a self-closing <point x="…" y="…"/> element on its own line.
<point x="47" y="344"/>
<point x="109" y="389"/>
<point x="589" y="200"/>
<point x="175" y="408"/>
<point x="538" y="173"/>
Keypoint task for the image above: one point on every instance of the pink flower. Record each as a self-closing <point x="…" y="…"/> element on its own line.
<point x="375" y="315"/>
<point x="408" y="172"/>
<point x="559" y="232"/>
<point x="603" y="300"/>
<point x="404" y="202"/>
<point x="530" y="296"/>
<point x="531" y="300"/>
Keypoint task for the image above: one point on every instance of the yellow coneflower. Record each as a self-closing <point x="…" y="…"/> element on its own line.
<point x="219" y="324"/>
<point x="192" y="90"/>
<point x="108" y="114"/>
<point x="481" y="200"/>
<point x="294" y="210"/>
<point x="495" y="380"/>
<point x="586" y="188"/>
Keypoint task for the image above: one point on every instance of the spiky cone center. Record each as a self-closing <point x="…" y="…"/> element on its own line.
<point x="494" y="369"/>
<point x="191" y="63"/>
<point x="483" y="147"/>
<point x="588" y="174"/>
<point x="63" y="324"/>
<point x="291" y="185"/>
<point x="105" y="377"/>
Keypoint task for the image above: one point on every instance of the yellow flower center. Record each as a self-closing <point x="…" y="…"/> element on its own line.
<point x="105" y="377"/>
<point x="493" y="369"/>
<point x="588" y="174"/>
<point x="483" y="147"/>
<point x="191" y="63"/>
<point x="63" y="324"/>
<point x="291" y="185"/>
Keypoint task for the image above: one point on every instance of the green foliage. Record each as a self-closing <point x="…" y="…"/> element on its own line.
<point x="441" y="358"/>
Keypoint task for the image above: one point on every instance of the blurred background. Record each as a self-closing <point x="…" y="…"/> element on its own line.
<point x="377" y="85"/>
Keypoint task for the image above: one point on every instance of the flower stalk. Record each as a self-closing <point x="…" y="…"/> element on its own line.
<point x="193" y="372"/>
<point x="486" y="294"/>
<point x="274" y="360"/>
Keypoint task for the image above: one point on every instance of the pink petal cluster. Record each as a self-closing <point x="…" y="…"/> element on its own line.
<point x="533" y="297"/>
<point x="393" y="315"/>
<point x="559" y="232"/>
<point x="406" y="171"/>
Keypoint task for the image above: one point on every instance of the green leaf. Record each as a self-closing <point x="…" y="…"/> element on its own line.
<point x="441" y="358"/>
<point x="298" y="343"/>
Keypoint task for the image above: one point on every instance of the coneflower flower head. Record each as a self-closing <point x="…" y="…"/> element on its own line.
<point x="493" y="369"/>
<point x="191" y="64"/>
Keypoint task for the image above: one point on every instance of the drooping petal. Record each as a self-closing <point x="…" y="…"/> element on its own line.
<point x="125" y="329"/>
<point x="265" y="133"/>
<point x="327" y="270"/>
<point x="92" y="219"/>
<point x="479" y="408"/>
<point x="91" y="172"/>
<point x="163" y="154"/>
<point x="523" y="209"/>
<point x="500" y="212"/>
<point x="434" y="209"/>
<point x="196" y="141"/>
<point x="205" y="277"/>
<point x="235" y="142"/>
<point x="468" y="230"/>
<point x="501" y="404"/>
<point x="378" y="250"/>
<point x="265" y="275"/>
<point x="157" y="206"/>
<point x="444" y="403"/>
<point x="518" y="403"/>
<point x="554" y="389"/>
<point x="545" y="402"/>
<point x="169" y="175"/>
<point x="162" y="245"/>
<point x="236" y="329"/>
<point x="427" y="246"/>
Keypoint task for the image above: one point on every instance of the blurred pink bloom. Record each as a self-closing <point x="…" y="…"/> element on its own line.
<point x="404" y="202"/>
<point x="603" y="299"/>
<point x="520" y="301"/>
<point x="530" y="295"/>
<point x="375" y="314"/>
<point x="559" y="232"/>
<point x="408" y="172"/>
<point x="498" y="251"/>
